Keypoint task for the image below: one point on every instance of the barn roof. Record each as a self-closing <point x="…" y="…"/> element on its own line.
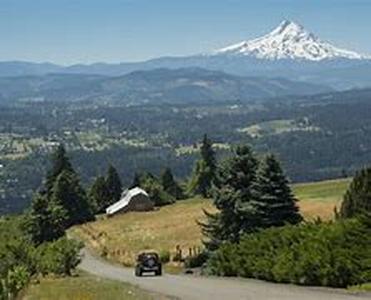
<point x="126" y="197"/>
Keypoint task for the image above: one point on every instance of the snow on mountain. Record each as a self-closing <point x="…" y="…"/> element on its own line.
<point x="289" y="41"/>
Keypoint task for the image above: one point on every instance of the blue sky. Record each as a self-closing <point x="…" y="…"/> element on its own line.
<point x="85" y="31"/>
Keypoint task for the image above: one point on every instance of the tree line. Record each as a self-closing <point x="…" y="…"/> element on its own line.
<point x="258" y="230"/>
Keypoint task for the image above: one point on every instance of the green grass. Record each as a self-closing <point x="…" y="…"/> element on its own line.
<point x="363" y="287"/>
<point x="85" y="287"/>
<point x="275" y="127"/>
<point x="324" y="191"/>
<point x="319" y="199"/>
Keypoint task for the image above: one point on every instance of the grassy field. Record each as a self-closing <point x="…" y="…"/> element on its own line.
<point x="85" y="287"/>
<point x="120" y="238"/>
<point x="319" y="199"/>
<point x="275" y="127"/>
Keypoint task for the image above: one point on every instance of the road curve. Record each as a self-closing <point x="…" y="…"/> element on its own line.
<point x="203" y="288"/>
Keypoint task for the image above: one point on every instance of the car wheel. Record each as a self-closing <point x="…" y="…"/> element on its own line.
<point x="138" y="272"/>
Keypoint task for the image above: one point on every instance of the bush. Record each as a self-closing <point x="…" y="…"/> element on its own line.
<point x="178" y="257"/>
<point x="60" y="257"/>
<point x="3" y="291"/>
<point x="323" y="254"/>
<point x="196" y="261"/>
<point x="17" y="280"/>
<point x="155" y="190"/>
<point x="165" y="256"/>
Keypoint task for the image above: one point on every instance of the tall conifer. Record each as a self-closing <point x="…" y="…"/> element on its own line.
<point x="357" y="199"/>
<point x="232" y="197"/>
<point x="204" y="171"/>
<point x="113" y="184"/>
<point x="274" y="203"/>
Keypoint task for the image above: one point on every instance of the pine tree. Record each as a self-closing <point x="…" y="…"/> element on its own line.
<point x="46" y="221"/>
<point x="60" y="163"/>
<point x="170" y="185"/>
<point x="357" y="199"/>
<point x="274" y="203"/>
<point x="232" y="197"/>
<point x="64" y="203"/>
<point x="208" y="153"/>
<point x="114" y="185"/>
<point x="68" y="193"/>
<point x="99" y="195"/>
<point x="204" y="171"/>
<point x="136" y="181"/>
<point x="155" y="190"/>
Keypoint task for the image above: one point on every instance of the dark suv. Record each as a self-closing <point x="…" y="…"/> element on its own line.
<point x="148" y="262"/>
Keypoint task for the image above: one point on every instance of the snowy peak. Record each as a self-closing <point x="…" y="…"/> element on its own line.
<point x="289" y="41"/>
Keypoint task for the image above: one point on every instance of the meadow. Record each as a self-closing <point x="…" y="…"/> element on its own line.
<point x="121" y="237"/>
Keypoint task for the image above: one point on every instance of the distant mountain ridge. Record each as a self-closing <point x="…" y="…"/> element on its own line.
<point x="289" y="51"/>
<point x="187" y="85"/>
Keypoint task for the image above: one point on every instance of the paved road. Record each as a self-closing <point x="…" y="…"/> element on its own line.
<point x="202" y="288"/>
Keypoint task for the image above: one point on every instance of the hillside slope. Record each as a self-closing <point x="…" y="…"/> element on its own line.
<point x="120" y="238"/>
<point x="187" y="85"/>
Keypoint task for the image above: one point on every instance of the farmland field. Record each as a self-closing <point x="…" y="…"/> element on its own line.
<point x="121" y="237"/>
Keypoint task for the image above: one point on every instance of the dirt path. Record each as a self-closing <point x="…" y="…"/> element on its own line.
<point x="203" y="288"/>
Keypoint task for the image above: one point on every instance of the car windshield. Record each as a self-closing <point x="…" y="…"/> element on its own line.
<point x="147" y="256"/>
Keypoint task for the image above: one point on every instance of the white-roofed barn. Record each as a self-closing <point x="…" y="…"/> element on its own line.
<point x="135" y="199"/>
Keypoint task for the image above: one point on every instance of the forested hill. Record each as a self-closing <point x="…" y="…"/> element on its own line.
<point x="181" y="86"/>
<point x="316" y="137"/>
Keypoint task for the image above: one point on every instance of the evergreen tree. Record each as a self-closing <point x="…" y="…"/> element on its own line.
<point x="114" y="185"/>
<point x="68" y="193"/>
<point x="232" y="197"/>
<point x="357" y="199"/>
<point x="100" y="196"/>
<point x="63" y="204"/>
<point x="170" y="185"/>
<point x="204" y="171"/>
<point x="155" y="190"/>
<point x="46" y="221"/>
<point x="60" y="163"/>
<point x="136" y="181"/>
<point x="274" y="203"/>
<point x="208" y="153"/>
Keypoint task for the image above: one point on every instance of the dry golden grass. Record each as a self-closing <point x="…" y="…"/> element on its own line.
<point x="121" y="237"/>
<point x="319" y="199"/>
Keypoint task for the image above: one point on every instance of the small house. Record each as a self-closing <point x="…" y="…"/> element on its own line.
<point x="135" y="199"/>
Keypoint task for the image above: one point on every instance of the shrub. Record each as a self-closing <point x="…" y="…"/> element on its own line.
<point x="3" y="291"/>
<point x="324" y="254"/>
<point x="165" y="256"/>
<point x="196" y="261"/>
<point x="17" y="280"/>
<point x="153" y="187"/>
<point x="178" y="257"/>
<point x="60" y="257"/>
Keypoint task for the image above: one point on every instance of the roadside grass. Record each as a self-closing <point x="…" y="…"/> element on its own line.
<point x="120" y="238"/>
<point x="362" y="288"/>
<point x="85" y="287"/>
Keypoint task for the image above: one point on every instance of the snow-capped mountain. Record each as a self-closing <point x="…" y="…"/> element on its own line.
<point x="289" y="41"/>
<point x="289" y="51"/>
